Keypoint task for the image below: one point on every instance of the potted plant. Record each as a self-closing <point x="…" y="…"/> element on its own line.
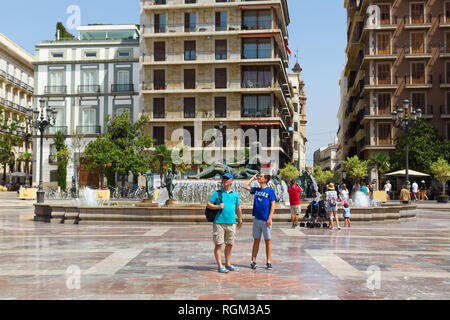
<point x="441" y="171"/>
<point x="205" y="111"/>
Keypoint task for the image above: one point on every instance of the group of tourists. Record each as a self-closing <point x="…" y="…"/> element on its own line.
<point x="227" y="202"/>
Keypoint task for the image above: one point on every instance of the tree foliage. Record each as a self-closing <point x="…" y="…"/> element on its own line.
<point x="289" y="173"/>
<point x="425" y="147"/>
<point x="382" y="163"/>
<point x="324" y="177"/>
<point x="8" y="140"/>
<point x="356" y="169"/>
<point x="441" y="171"/>
<point x="63" y="33"/>
<point x="62" y="159"/>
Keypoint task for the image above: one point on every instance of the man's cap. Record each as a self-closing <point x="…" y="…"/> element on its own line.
<point x="228" y="175"/>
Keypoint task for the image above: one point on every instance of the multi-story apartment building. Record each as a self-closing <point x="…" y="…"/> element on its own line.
<point x="326" y="157"/>
<point x="210" y="64"/>
<point x="396" y="50"/>
<point x="86" y="80"/>
<point x="299" y="126"/>
<point x="16" y="96"/>
<point x="343" y="121"/>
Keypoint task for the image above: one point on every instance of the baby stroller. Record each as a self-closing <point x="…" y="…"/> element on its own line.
<point x="316" y="215"/>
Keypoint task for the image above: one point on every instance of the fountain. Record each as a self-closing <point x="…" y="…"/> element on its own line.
<point x="89" y="199"/>
<point x="361" y="200"/>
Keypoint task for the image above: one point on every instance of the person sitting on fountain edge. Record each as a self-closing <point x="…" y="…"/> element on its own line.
<point x="263" y="210"/>
<point x="224" y="228"/>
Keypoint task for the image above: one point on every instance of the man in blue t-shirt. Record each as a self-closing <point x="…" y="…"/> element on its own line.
<point x="224" y="228"/>
<point x="263" y="210"/>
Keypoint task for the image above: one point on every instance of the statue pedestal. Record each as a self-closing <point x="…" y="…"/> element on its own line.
<point x="147" y="204"/>
<point x="171" y="202"/>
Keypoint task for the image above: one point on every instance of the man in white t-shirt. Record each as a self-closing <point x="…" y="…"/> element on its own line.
<point x="388" y="188"/>
<point x="415" y="190"/>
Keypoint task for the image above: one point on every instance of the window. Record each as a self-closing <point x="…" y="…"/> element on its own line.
<point x="220" y="107"/>
<point x="189" y="50"/>
<point x="159" y="79"/>
<point x="57" y="55"/>
<point x="189" y="78"/>
<point x="123" y="77"/>
<point x="417" y="13"/>
<point x="447" y="11"/>
<point x="160" y="51"/>
<point x="384" y="134"/>
<point x="447" y="41"/>
<point x="384" y="44"/>
<point x="188" y="136"/>
<point x="89" y="121"/>
<point x="256" y="106"/>
<point x="56" y="78"/>
<point x="221" y="78"/>
<point x="221" y="21"/>
<point x="91" y="54"/>
<point x="189" y="107"/>
<point x="448" y="130"/>
<point x="254" y="20"/>
<point x="256" y="77"/>
<point x="385" y="14"/>
<point x="418" y="73"/>
<point x="124" y="53"/>
<point x="221" y="49"/>
<point x="189" y="22"/>
<point x="160" y="23"/>
<point x="384" y="104"/>
<point x="418" y="100"/>
<point x="417" y="42"/>
<point x="159" y="135"/>
<point x="384" y="74"/>
<point x="159" y="108"/>
<point x="256" y="48"/>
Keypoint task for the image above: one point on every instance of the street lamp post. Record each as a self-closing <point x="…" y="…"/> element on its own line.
<point x="221" y="141"/>
<point x="43" y="119"/>
<point x="406" y="119"/>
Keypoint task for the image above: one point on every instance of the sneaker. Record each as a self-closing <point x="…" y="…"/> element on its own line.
<point x="330" y="228"/>
<point x="223" y="270"/>
<point x="232" y="268"/>
<point x="253" y="265"/>
<point x="269" y="266"/>
<point x="339" y="228"/>
<point x="293" y="226"/>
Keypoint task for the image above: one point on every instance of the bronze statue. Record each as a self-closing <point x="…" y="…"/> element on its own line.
<point x="169" y="185"/>
<point x="150" y="184"/>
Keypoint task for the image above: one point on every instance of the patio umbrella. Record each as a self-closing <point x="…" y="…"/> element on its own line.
<point x="402" y="173"/>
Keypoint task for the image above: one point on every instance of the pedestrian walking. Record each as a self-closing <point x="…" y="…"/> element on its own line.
<point x="331" y="200"/>
<point x="415" y="190"/>
<point x="405" y="196"/>
<point x="294" y="200"/>
<point x="263" y="210"/>
<point x="423" y="191"/>
<point x="388" y="189"/>
<point x="344" y="193"/>
<point x="224" y="228"/>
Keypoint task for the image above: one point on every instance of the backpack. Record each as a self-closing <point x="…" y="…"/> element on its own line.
<point x="212" y="214"/>
<point x="332" y="201"/>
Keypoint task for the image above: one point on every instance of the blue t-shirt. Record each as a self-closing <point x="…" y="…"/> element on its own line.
<point x="262" y="203"/>
<point x="346" y="212"/>
<point x="231" y="200"/>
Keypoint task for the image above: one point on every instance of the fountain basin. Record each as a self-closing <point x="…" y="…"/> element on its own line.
<point x="194" y="214"/>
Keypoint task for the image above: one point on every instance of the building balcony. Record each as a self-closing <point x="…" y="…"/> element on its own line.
<point x="53" y="130"/>
<point x="122" y="88"/>
<point x="89" y="89"/>
<point x="55" y="90"/>
<point x="89" y="130"/>
<point x="2" y="74"/>
<point x="12" y="105"/>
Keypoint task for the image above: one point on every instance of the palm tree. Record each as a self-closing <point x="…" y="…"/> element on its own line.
<point x="160" y="156"/>
<point x="381" y="163"/>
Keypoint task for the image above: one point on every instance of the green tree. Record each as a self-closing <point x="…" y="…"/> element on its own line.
<point x="381" y="163"/>
<point x="425" y="147"/>
<point x="63" y="33"/>
<point x="289" y="173"/>
<point x="160" y="158"/>
<point x="324" y="177"/>
<point x="100" y="154"/>
<point x="441" y="171"/>
<point x="62" y="159"/>
<point x="8" y="140"/>
<point x="356" y="169"/>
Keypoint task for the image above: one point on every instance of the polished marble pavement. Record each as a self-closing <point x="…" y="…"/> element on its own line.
<point x="405" y="260"/>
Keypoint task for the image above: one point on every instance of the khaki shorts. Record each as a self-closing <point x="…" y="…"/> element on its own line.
<point x="296" y="210"/>
<point x="224" y="234"/>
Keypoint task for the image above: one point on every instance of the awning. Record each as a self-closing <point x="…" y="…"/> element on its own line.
<point x="402" y="173"/>
<point x="261" y="123"/>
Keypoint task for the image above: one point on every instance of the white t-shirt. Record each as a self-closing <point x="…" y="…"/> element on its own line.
<point x="344" y="194"/>
<point x="415" y="187"/>
<point x="332" y="194"/>
<point x="387" y="187"/>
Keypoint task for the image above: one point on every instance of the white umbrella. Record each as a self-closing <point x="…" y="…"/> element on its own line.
<point x="18" y="174"/>
<point x="402" y="173"/>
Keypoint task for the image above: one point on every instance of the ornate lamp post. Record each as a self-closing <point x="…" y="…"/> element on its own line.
<point x="43" y="118"/>
<point x="406" y="119"/>
<point x="24" y="130"/>
<point x="221" y="141"/>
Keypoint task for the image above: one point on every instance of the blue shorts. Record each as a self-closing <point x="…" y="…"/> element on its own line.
<point x="260" y="228"/>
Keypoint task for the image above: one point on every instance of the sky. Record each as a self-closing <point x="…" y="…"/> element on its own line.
<point x="317" y="31"/>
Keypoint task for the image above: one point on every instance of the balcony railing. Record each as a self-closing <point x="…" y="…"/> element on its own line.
<point x="2" y="74"/>
<point x="55" y="89"/>
<point x="118" y="88"/>
<point x="83" y="89"/>
<point x="54" y="130"/>
<point x="89" y="130"/>
<point x="251" y="113"/>
<point x="12" y="105"/>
